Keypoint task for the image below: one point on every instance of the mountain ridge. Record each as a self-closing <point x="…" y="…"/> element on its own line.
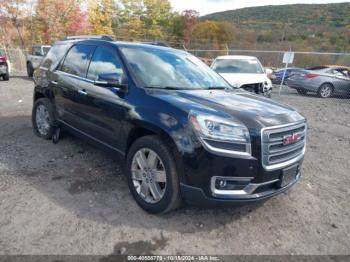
<point x="335" y="15"/>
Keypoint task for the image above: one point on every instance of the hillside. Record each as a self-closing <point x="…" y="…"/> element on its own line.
<point x="269" y="17"/>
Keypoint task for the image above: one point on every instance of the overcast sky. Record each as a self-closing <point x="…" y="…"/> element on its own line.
<point x="212" y="6"/>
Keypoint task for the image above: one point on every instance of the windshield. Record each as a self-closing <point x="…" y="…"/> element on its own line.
<point x="240" y="66"/>
<point x="166" y="68"/>
<point x="46" y="50"/>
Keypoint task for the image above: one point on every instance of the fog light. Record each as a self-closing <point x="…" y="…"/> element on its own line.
<point x="222" y="183"/>
<point x="230" y="183"/>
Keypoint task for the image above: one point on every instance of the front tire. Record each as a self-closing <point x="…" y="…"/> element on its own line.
<point x="325" y="91"/>
<point x="30" y="70"/>
<point x="152" y="175"/>
<point x="43" y="118"/>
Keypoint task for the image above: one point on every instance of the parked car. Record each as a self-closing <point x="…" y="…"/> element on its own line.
<point x="287" y="73"/>
<point x="328" y="81"/>
<point x="35" y="57"/>
<point x="243" y="72"/>
<point x="269" y="73"/>
<point x="4" y="68"/>
<point x="183" y="132"/>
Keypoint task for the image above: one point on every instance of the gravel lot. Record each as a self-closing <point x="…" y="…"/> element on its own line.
<point x="72" y="198"/>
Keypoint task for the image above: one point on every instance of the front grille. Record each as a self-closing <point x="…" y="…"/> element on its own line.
<point x="275" y="154"/>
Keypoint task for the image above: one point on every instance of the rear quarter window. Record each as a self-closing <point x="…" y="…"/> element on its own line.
<point x="77" y="60"/>
<point x="54" y="56"/>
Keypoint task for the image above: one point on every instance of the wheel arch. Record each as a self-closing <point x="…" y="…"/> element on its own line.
<point x="42" y="92"/>
<point x="37" y="95"/>
<point x="142" y="129"/>
<point x="326" y="83"/>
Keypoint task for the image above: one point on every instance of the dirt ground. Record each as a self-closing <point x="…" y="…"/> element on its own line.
<point x="72" y="198"/>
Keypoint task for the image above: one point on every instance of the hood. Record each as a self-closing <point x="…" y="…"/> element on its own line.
<point x="237" y="80"/>
<point x="253" y="111"/>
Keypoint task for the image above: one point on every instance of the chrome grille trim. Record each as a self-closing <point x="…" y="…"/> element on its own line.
<point x="275" y="155"/>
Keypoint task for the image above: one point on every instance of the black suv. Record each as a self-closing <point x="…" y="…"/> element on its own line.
<point x="184" y="133"/>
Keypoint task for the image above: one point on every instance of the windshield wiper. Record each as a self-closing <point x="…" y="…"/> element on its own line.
<point x="218" y="87"/>
<point x="168" y="87"/>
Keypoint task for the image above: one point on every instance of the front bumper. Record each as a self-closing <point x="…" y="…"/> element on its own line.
<point x="196" y="196"/>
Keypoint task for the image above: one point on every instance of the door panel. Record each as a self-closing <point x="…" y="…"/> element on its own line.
<point x="67" y="84"/>
<point x="102" y="112"/>
<point x="105" y="108"/>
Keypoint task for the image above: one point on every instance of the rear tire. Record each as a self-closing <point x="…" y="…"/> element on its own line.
<point x="325" y="91"/>
<point x="43" y="120"/>
<point x="30" y="70"/>
<point x="6" y="77"/>
<point x="169" y="190"/>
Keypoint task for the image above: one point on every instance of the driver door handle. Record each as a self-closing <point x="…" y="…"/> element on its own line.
<point x="82" y="91"/>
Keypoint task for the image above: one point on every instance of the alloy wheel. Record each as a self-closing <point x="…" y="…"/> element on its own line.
<point x="148" y="175"/>
<point x="326" y="91"/>
<point x="42" y="120"/>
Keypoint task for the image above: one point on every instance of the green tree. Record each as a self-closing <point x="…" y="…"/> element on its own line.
<point x="217" y="34"/>
<point x="101" y="16"/>
<point x="157" y="17"/>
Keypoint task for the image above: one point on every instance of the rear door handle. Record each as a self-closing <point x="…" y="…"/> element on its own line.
<point x="82" y="91"/>
<point x="54" y="82"/>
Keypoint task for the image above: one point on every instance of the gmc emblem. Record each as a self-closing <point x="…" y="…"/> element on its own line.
<point x="291" y="139"/>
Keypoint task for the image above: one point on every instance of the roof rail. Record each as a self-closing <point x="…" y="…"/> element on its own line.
<point x="95" y="37"/>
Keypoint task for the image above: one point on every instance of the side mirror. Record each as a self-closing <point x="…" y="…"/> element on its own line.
<point x="113" y="81"/>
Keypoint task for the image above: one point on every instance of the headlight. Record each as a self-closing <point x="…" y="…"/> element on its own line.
<point x="220" y="135"/>
<point x="236" y="84"/>
<point x="268" y="83"/>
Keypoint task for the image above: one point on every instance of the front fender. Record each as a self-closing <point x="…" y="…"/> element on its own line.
<point x="174" y="127"/>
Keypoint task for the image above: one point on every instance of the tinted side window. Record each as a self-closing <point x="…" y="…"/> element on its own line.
<point x="54" y="56"/>
<point x="105" y="63"/>
<point x="77" y="60"/>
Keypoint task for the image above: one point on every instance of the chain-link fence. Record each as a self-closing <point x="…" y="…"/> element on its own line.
<point x="324" y="64"/>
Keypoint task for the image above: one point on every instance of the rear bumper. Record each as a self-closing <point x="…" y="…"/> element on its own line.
<point x="195" y="196"/>
<point x="3" y="71"/>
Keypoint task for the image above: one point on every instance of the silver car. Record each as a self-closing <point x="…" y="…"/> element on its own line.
<point x="34" y="59"/>
<point x="325" y="81"/>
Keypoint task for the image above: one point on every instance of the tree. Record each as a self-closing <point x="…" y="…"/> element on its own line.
<point x="191" y="18"/>
<point x="51" y="25"/>
<point x="178" y="25"/>
<point x="156" y="17"/>
<point x="140" y="19"/>
<point x="128" y="20"/>
<point x="215" y="33"/>
<point x="101" y="16"/>
<point x="14" y="11"/>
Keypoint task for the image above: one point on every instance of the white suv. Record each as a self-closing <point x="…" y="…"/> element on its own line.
<point x="244" y="72"/>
